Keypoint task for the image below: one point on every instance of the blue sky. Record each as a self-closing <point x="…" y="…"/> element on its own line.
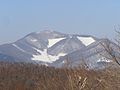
<point x="94" y="17"/>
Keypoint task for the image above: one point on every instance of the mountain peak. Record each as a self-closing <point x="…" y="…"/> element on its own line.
<point x="45" y="31"/>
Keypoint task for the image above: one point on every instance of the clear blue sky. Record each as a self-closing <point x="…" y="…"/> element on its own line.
<point x="94" y="17"/>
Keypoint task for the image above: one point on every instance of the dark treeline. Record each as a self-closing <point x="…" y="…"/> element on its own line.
<point x="21" y="76"/>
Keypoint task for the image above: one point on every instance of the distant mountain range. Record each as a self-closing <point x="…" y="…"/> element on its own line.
<point x="57" y="49"/>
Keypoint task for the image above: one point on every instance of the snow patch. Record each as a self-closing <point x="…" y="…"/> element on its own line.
<point x="86" y="40"/>
<point x="45" y="57"/>
<point x="34" y="40"/>
<point x="63" y="62"/>
<point x="18" y="48"/>
<point x="103" y="59"/>
<point x="51" y="42"/>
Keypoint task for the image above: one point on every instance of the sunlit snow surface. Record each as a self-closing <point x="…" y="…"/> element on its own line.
<point x="103" y="59"/>
<point x="51" y="42"/>
<point x="43" y="56"/>
<point x="86" y="40"/>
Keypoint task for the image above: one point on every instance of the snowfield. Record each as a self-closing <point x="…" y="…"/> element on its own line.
<point x="51" y="42"/>
<point x="43" y="56"/>
<point x="86" y="40"/>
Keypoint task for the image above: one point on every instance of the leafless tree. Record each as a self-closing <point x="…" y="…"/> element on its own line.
<point x="111" y="50"/>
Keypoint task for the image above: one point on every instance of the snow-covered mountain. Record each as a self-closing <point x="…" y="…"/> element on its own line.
<point x="99" y="54"/>
<point x="54" y="48"/>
